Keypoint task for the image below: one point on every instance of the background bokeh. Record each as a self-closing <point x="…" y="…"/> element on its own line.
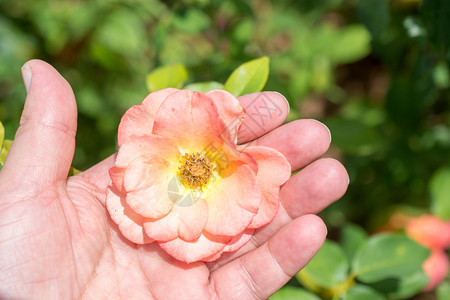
<point x="375" y="71"/>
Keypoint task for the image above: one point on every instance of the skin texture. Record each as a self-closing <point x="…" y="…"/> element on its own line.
<point x="57" y="241"/>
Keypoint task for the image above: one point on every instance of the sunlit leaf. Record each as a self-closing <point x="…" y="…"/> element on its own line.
<point x="328" y="269"/>
<point x="293" y="293"/>
<point x="386" y="256"/>
<point x="2" y="134"/>
<point x="5" y="149"/>
<point x="348" y="44"/>
<point x="73" y="171"/>
<point x="249" y="77"/>
<point x="441" y="75"/>
<point x="167" y="76"/>
<point x="191" y="21"/>
<point x="204" y="87"/>
<point x="121" y="32"/>
<point x="440" y="193"/>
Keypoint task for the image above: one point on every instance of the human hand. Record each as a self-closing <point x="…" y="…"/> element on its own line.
<point x="58" y="242"/>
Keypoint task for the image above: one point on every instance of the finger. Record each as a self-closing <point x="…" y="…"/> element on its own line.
<point x="308" y="192"/>
<point x="43" y="148"/>
<point x="96" y="179"/>
<point x="314" y="188"/>
<point x="264" y="112"/>
<point x="261" y="272"/>
<point x="300" y="141"/>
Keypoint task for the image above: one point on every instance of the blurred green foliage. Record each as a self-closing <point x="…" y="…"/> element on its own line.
<point x="375" y="71"/>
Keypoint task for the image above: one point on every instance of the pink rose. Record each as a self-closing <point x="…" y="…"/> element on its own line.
<point x="180" y="179"/>
<point x="436" y="267"/>
<point x="429" y="231"/>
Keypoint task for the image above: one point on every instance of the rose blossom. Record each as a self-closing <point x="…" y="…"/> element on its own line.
<point x="180" y="179"/>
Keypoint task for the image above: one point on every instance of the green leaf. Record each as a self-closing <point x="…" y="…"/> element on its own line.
<point x="328" y="269"/>
<point x="388" y="255"/>
<point x="121" y="32"/>
<point x="204" y="87"/>
<point x="441" y="75"/>
<point x="443" y="291"/>
<point x="292" y="293"/>
<point x="403" y="287"/>
<point x="440" y="193"/>
<point x="352" y="237"/>
<point x="249" y="77"/>
<point x="2" y="134"/>
<point x="348" y="44"/>
<point x="375" y="15"/>
<point x="191" y="21"/>
<point x="73" y="171"/>
<point x="4" y="152"/>
<point x="167" y="76"/>
<point x="359" y="292"/>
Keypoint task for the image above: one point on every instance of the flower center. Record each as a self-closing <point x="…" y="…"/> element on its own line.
<point x="195" y="170"/>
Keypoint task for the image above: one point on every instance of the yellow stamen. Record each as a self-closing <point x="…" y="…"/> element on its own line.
<point x="195" y="171"/>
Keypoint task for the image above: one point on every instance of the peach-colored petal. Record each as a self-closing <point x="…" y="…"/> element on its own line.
<point x="227" y="155"/>
<point x="239" y="240"/>
<point x="129" y="223"/>
<point x="152" y="202"/>
<point x="273" y="171"/>
<point x="145" y="171"/>
<point x="149" y="145"/>
<point x="185" y="222"/>
<point x="206" y="245"/>
<point x="230" y="110"/>
<point x="117" y="175"/>
<point x="138" y="120"/>
<point x="235" y="244"/>
<point x="233" y="202"/>
<point x="190" y="120"/>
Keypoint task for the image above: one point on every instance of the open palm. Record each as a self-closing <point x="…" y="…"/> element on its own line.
<point x="58" y="242"/>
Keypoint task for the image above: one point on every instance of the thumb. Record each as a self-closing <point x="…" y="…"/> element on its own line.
<point x="43" y="148"/>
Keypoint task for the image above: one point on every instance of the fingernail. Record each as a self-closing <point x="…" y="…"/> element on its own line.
<point x="287" y="102"/>
<point x="329" y="132"/>
<point x="26" y="75"/>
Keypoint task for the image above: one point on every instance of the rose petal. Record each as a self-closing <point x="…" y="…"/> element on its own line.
<point x="239" y="240"/>
<point x="145" y="171"/>
<point x="233" y="202"/>
<point x="273" y="171"/>
<point x="149" y="145"/>
<point x="129" y="223"/>
<point x="138" y="120"/>
<point x="230" y="110"/>
<point x="152" y="202"/>
<point x="190" y="120"/>
<point x="235" y="244"/>
<point x="206" y="245"/>
<point x="228" y="154"/>
<point x="185" y="222"/>
<point x="116" y="175"/>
